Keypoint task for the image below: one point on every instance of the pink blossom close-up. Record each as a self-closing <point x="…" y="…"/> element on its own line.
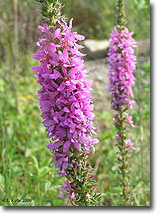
<point x="122" y="64"/>
<point x="65" y="98"/>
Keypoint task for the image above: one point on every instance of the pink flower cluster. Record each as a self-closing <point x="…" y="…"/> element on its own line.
<point x="122" y="63"/>
<point x="65" y="98"/>
<point x="69" y="192"/>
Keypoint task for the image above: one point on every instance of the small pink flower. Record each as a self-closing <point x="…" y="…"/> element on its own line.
<point x="70" y="193"/>
<point x="118" y="137"/>
<point x="129" y="120"/>
<point x="130" y="144"/>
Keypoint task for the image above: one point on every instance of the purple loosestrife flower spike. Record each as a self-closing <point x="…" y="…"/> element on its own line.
<point x="121" y="79"/>
<point x="65" y="101"/>
<point x="122" y="63"/>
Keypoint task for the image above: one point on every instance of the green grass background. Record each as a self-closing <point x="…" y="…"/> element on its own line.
<point x="26" y="166"/>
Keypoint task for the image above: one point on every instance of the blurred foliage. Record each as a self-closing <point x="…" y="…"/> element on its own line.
<point x="26" y="166"/>
<point x="105" y="156"/>
<point x="93" y="18"/>
<point x="96" y="18"/>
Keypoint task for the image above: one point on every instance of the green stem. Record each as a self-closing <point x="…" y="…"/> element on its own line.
<point x="123" y="164"/>
<point x="123" y="155"/>
<point x="121" y="22"/>
<point x="123" y="160"/>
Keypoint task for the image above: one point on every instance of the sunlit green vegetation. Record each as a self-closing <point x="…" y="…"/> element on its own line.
<point x="26" y="166"/>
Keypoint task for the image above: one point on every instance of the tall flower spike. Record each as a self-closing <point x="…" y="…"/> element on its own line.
<point x="66" y="104"/>
<point x="122" y="63"/>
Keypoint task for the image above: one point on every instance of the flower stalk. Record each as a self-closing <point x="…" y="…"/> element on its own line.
<point x="122" y="64"/>
<point x="66" y="104"/>
<point x="121" y="21"/>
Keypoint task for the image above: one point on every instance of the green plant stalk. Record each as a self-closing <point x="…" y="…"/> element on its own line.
<point x="122" y="160"/>
<point x="122" y="157"/>
<point x="48" y="14"/>
<point x="82" y="181"/>
<point x="121" y="21"/>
